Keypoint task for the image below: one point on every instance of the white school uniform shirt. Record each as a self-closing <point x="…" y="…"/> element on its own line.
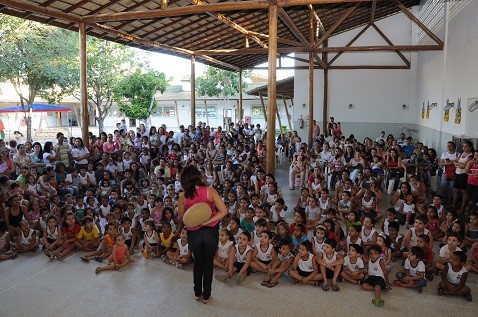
<point x="52" y="235"/>
<point x="444" y="250"/>
<point x="242" y="257"/>
<point x="223" y="249"/>
<point x="275" y="215"/>
<point x="414" y="271"/>
<point x="153" y="238"/>
<point x="312" y="212"/>
<point x="264" y="256"/>
<point x="255" y="238"/>
<point x="353" y="266"/>
<point x="349" y="241"/>
<point x="368" y="237"/>
<point x="127" y="235"/>
<point x="183" y="249"/>
<point x="318" y="246"/>
<point x="414" y="237"/>
<point x="26" y="240"/>
<point x="307" y="265"/>
<point x="455" y="277"/>
<point x="374" y="268"/>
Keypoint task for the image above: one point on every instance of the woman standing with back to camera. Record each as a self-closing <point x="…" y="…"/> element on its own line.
<point x="204" y="238"/>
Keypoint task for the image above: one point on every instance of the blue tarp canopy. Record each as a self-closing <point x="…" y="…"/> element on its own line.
<point x="37" y="107"/>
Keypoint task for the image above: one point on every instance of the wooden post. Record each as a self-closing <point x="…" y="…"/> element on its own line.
<point x="176" y="112"/>
<point x="287" y="113"/>
<point x="193" y="91"/>
<point x="271" y="92"/>
<point x="326" y="90"/>
<point x="83" y="94"/>
<point x="240" y="108"/>
<point x="263" y="106"/>
<point x="205" y="110"/>
<point x="311" y="80"/>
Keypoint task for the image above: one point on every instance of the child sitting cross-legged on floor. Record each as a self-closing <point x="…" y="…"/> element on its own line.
<point x="263" y="254"/>
<point x="330" y="262"/>
<point x="182" y="255"/>
<point x="414" y="276"/>
<point x="119" y="256"/>
<point x="377" y="279"/>
<point x="87" y="238"/>
<point x="106" y="246"/>
<point x="280" y="264"/>
<point x="304" y="269"/>
<point x="454" y="277"/>
<point x="241" y="262"/>
<point x="353" y="267"/>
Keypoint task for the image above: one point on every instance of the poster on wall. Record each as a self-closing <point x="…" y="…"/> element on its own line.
<point x="458" y="112"/>
<point x="428" y="109"/>
<point x="423" y="110"/>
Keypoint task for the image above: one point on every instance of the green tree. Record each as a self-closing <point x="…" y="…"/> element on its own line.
<point x="39" y="61"/>
<point x="107" y="65"/>
<point x="135" y="93"/>
<point x="220" y="83"/>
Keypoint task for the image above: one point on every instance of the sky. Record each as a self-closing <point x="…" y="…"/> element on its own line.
<point x="178" y="68"/>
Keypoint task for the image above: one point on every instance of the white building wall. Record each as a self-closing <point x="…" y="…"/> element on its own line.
<point x="377" y="96"/>
<point x="451" y="74"/>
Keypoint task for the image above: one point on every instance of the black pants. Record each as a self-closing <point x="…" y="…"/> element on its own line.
<point x="203" y="244"/>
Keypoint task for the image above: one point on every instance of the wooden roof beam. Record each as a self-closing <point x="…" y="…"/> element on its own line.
<point x="336" y="24"/>
<point x="418" y="22"/>
<point x="374" y="9"/>
<point x="205" y="8"/>
<point x="177" y="50"/>
<point x="350" y="67"/>
<point x="350" y="43"/>
<point x="41" y="10"/>
<point x="262" y="51"/>
<point x="298" y="34"/>
<point x="234" y="25"/>
<point x="391" y="44"/>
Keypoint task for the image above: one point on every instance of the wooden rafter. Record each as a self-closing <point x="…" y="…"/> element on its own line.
<point x="184" y="52"/>
<point x="209" y="7"/>
<point x="350" y="43"/>
<point x="351" y="67"/>
<point x="390" y="43"/>
<point x="41" y="10"/>
<point x="336" y="24"/>
<point x="231" y="23"/>
<point x="298" y="34"/>
<point x="374" y="9"/>
<point x="261" y="51"/>
<point x="418" y="22"/>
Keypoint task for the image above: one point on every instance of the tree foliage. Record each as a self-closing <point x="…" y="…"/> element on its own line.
<point x="220" y="83"/>
<point x="108" y="64"/>
<point x="135" y="93"/>
<point x="39" y="60"/>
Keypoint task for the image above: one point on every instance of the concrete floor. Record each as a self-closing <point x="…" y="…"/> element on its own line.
<point x="33" y="285"/>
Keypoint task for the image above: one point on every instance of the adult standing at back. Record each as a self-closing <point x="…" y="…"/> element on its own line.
<point x="446" y="162"/>
<point x="461" y="177"/>
<point x="63" y="150"/>
<point x="204" y="238"/>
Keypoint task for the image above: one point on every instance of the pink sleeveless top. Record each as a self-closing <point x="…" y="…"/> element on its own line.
<point x="201" y="197"/>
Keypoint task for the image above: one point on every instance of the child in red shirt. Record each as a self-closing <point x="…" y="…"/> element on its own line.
<point x="423" y="242"/>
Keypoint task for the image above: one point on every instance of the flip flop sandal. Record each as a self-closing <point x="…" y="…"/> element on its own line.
<point x="378" y="302"/>
<point x="272" y="284"/>
<point x="325" y="287"/>
<point x="440" y="292"/>
<point x="97" y="271"/>
<point x="84" y="259"/>
<point x="335" y="288"/>
<point x="420" y="289"/>
<point x="265" y="282"/>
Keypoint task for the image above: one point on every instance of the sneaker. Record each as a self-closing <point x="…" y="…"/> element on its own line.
<point x="84" y="259"/>
<point x="98" y="259"/>
<point x="240" y="278"/>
